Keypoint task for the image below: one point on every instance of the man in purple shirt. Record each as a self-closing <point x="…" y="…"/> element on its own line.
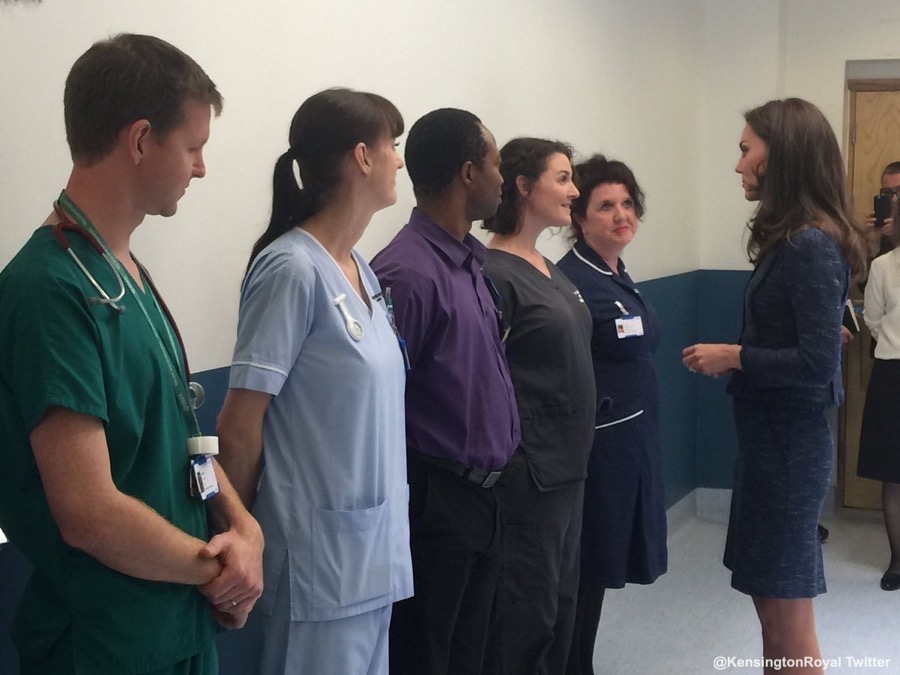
<point x="461" y="418"/>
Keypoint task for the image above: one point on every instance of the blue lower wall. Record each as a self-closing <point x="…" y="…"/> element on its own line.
<point x="719" y="302"/>
<point x="695" y="415"/>
<point x="215" y="382"/>
<point x="674" y="299"/>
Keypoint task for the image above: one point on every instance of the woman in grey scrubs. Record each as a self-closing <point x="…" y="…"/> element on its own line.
<point x="548" y="348"/>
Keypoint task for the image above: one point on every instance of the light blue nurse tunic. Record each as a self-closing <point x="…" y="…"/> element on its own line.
<point x="332" y="495"/>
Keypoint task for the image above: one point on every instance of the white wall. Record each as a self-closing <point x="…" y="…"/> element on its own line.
<point x="741" y="70"/>
<point x="765" y="49"/>
<point x="623" y="78"/>
<point x="659" y="84"/>
<point x="822" y="35"/>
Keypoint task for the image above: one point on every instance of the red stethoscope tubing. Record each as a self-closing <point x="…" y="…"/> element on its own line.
<point x="66" y="225"/>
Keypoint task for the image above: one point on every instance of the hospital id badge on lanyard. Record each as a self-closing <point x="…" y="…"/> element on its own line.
<point x="628" y="325"/>
<point x="202" y="481"/>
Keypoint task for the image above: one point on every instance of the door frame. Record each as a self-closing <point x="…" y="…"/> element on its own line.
<point x="853" y="361"/>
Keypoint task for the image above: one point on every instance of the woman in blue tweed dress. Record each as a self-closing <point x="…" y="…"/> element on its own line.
<point x="785" y="372"/>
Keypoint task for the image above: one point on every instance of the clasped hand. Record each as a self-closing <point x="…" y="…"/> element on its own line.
<point x="233" y="593"/>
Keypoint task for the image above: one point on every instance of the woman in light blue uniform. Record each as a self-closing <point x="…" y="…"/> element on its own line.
<point x="312" y="427"/>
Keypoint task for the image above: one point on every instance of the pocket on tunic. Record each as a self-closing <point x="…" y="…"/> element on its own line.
<point x="557" y="442"/>
<point x="351" y="556"/>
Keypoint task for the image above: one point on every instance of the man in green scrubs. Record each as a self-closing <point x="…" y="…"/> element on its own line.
<point x="93" y="422"/>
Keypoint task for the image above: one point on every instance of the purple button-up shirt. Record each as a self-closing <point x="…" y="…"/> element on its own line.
<point x="459" y="397"/>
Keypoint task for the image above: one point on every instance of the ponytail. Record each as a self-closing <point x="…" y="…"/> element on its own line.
<point x="325" y="128"/>
<point x="291" y="205"/>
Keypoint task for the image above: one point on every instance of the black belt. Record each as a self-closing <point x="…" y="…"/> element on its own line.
<point x="481" y="477"/>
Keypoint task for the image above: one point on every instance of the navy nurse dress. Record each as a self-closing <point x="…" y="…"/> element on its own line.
<point x="624" y="532"/>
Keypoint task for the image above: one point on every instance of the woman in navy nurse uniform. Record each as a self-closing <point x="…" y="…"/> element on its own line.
<point x="623" y="536"/>
<point x="785" y="372"/>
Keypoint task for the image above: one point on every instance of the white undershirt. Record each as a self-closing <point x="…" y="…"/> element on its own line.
<point x="882" y="313"/>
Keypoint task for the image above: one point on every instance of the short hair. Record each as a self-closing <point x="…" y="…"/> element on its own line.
<point x="437" y="146"/>
<point x="802" y="183"/>
<point x="596" y="171"/>
<point x="525" y="157"/>
<point x="891" y="169"/>
<point x="124" y="79"/>
<point x="325" y="128"/>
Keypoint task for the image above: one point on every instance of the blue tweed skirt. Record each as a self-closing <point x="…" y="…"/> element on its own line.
<point x="782" y="472"/>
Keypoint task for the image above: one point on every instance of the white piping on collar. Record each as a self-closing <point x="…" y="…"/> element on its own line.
<point x="370" y="309"/>
<point x="589" y="263"/>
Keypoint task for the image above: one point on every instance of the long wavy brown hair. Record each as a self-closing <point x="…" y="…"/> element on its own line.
<point x="803" y="183"/>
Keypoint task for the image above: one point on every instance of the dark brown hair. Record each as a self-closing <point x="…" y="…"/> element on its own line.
<point x="525" y="157"/>
<point x="803" y="183"/>
<point x="598" y="170"/>
<point x="325" y="128"/>
<point x="125" y="79"/>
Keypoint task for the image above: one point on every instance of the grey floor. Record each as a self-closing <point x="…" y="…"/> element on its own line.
<point x="680" y="624"/>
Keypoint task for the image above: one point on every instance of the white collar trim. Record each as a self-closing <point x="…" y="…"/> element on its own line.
<point x="589" y="263"/>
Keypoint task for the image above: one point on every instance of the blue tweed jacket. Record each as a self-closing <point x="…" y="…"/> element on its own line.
<point x="791" y="339"/>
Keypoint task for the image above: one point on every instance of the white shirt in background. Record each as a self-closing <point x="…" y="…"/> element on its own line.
<point x="882" y="312"/>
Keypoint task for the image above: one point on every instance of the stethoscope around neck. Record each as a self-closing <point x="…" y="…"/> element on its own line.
<point x="64" y="225"/>
<point x="59" y="230"/>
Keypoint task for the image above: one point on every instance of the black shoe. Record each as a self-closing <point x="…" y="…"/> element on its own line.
<point x="890" y="581"/>
<point x="823" y="534"/>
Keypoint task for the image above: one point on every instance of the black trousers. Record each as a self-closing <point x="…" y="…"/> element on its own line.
<point x="454" y="537"/>
<point x="587" y="622"/>
<point x="534" y="612"/>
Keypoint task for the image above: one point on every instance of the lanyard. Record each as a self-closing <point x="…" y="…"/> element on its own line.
<point x="170" y="355"/>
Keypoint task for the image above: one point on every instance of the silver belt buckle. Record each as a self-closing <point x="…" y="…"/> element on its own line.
<point x="491" y="478"/>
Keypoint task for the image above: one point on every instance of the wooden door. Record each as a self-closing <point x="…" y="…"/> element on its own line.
<point x="874" y="143"/>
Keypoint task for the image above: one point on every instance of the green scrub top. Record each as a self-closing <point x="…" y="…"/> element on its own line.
<point x="59" y="349"/>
